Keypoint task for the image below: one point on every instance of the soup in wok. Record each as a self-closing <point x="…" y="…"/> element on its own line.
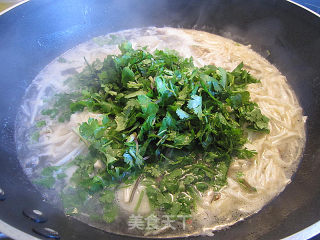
<point x="160" y="131"/>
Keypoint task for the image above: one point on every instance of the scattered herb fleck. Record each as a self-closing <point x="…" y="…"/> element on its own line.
<point x="62" y="60"/>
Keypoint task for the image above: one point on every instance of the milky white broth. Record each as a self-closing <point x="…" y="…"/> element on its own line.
<point x="269" y="171"/>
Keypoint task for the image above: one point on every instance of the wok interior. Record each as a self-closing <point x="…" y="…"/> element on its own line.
<point x="288" y="33"/>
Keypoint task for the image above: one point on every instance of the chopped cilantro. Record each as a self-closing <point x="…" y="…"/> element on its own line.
<point x="62" y="60"/>
<point x="178" y="126"/>
<point x="35" y="136"/>
<point x="244" y="184"/>
<point x="40" y="124"/>
<point x="48" y="176"/>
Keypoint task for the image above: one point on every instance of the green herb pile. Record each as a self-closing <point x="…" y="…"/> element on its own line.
<point x="167" y="124"/>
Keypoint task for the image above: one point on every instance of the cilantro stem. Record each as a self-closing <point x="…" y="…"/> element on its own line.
<point x="139" y="202"/>
<point x="79" y="135"/>
<point x="202" y="167"/>
<point x="245" y="185"/>
<point x="134" y="189"/>
<point x="216" y="196"/>
<point x="93" y="71"/>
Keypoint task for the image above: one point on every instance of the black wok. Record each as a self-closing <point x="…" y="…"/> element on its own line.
<point x="38" y="31"/>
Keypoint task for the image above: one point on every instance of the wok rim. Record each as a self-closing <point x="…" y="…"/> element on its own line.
<point x="15" y="233"/>
<point x="13" y="6"/>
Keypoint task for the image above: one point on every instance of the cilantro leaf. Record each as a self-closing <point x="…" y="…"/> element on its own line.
<point x="127" y="75"/>
<point x="121" y="121"/>
<point x="223" y="76"/>
<point x="182" y="114"/>
<point x="147" y="105"/>
<point x="195" y="104"/>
